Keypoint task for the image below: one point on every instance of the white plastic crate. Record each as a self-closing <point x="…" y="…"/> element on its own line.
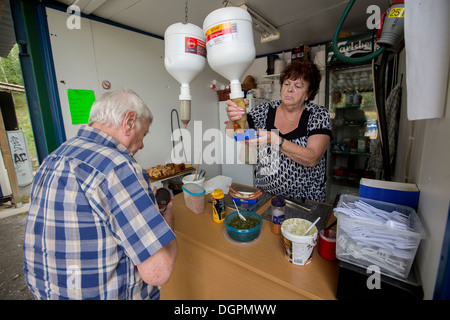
<point x="388" y="239"/>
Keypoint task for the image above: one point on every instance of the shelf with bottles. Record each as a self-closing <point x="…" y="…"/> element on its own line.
<point x="343" y="175"/>
<point x="351" y="153"/>
<point x="343" y="122"/>
<point x="351" y="147"/>
<point x="351" y="78"/>
<point x="351" y="88"/>
<point x="351" y="99"/>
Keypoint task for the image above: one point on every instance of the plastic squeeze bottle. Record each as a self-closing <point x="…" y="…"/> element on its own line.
<point x="218" y="206"/>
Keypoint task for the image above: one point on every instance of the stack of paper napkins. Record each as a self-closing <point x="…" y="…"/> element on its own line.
<point x="218" y="182"/>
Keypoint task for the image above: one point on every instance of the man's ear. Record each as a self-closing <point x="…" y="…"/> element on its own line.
<point x="128" y="122"/>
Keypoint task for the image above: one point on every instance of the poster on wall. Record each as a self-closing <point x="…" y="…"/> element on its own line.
<point x="21" y="157"/>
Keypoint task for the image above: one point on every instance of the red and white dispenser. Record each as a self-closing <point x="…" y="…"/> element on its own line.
<point x="231" y="50"/>
<point x="185" y="60"/>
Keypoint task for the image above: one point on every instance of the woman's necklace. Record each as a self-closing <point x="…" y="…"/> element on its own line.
<point x="291" y="122"/>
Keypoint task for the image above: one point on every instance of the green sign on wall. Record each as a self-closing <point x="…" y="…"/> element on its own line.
<point x="80" y="103"/>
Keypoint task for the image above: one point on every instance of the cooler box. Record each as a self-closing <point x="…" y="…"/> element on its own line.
<point x="405" y="194"/>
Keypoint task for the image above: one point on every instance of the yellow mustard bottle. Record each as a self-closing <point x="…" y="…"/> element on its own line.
<point x="218" y="206"/>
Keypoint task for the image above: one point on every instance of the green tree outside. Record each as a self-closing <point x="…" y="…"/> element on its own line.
<point x="11" y="72"/>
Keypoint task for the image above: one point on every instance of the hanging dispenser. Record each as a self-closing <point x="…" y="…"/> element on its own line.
<point x="391" y="33"/>
<point x="231" y="50"/>
<point x="185" y="59"/>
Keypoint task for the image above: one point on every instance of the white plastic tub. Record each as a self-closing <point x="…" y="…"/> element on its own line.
<point x="366" y="243"/>
<point x="298" y="249"/>
<point x="190" y="179"/>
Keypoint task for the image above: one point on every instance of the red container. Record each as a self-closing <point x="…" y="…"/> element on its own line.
<point x="327" y="244"/>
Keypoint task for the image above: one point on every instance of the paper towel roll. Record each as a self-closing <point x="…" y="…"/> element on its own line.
<point x="279" y="66"/>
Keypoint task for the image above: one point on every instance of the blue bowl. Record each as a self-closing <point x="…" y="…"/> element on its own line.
<point x="243" y="235"/>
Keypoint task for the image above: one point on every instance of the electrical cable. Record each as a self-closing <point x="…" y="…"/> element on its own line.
<point x="382" y="121"/>
<point x="335" y="48"/>
<point x="179" y="128"/>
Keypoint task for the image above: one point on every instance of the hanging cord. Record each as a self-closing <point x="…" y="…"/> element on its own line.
<point x="382" y="120"/>
<point x="179" y="128"/>
<point x="342" y="57"/>
<point x="186" y="11"/>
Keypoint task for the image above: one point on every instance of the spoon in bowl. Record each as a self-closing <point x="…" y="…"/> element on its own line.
<point x="240" y="215"/>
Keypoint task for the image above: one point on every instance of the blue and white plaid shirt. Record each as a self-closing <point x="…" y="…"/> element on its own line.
<point x="92" y="220"/>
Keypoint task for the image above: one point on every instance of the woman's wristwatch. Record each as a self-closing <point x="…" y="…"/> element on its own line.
<point x="281" y="143"/>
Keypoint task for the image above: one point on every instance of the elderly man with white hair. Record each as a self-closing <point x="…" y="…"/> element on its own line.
<point x="94" y="230"/>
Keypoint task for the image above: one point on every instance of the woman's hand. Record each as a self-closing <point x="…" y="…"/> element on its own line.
<point x="234" y="112"/>
<point x="266" y="137"/>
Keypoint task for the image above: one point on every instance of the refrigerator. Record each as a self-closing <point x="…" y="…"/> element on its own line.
<point x="350" y="100"/>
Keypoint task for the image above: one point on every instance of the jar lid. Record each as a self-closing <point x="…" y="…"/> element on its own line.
<point x="193" y="189"/>
<point x="218" y="194"/>
<point x="162" y="196"/>
<point x="278" y="201"/>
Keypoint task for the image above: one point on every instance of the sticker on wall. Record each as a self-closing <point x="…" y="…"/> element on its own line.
<point x="106" y="85"/>
<point x="80" y="103"/>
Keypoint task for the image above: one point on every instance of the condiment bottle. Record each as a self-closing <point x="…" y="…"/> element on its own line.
<point x="218" y="206"/>
<point x="278" y="211"/>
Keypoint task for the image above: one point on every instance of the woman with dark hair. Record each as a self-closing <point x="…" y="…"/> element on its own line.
<point x="293" y="136"/>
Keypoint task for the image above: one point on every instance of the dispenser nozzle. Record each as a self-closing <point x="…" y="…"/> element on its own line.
<point x="185" y="112"/>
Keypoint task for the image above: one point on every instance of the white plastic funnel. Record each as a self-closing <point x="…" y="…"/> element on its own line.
<point x="229" y="42"/>
<point x="185" y="59"/>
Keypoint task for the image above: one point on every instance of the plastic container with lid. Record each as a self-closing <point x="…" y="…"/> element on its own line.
<point x="298" y="248"/>
<point x="194" y="197"/>
<point x="243" y="235"/>
<point x="278" y="211"/>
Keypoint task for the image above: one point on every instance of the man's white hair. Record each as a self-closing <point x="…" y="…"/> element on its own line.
<point x="111" y="107"/>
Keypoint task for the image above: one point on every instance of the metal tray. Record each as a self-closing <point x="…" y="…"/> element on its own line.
<point x="308" y="210"/>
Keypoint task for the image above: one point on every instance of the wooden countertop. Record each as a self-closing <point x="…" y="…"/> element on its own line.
<point x="211" y="267"/>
